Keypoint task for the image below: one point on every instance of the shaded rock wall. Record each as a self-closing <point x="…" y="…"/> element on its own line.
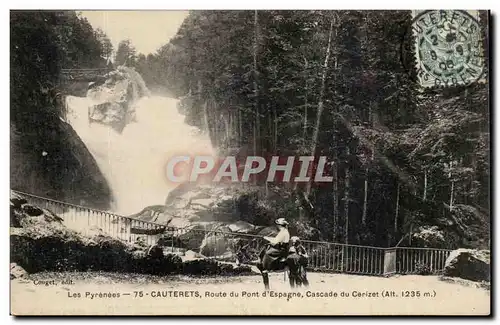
<point x="49" y="159"/>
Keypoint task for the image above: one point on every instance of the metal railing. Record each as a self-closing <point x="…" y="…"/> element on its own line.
<point x="345" y="258"/>
<point x="245" y="248"/>
<point x="410" y="260"/>
<point x="92" y="221"/>
<point x="83" y="74"/>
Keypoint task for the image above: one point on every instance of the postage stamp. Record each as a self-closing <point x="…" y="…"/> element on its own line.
<point x="449" y="47"/>
<point x="251" y="162"/>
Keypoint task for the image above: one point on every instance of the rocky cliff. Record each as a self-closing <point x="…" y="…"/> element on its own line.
<point x="49" y="159"/>
<point x="114" y="98"/>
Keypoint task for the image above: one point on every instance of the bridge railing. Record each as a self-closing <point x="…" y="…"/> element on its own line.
<point x="245" y="248"/>
<point x="83" y="74"/>
<point x="92" y="221"/>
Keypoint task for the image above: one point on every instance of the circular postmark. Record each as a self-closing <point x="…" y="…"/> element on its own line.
<point x="448" y="48"/>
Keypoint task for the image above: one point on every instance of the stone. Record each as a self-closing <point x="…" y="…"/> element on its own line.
<point x="114" y="100"/>
<point x="32" y="210"/>
<point x="190" y="255"/>
<point x="17" y="272"/>
<point x="16" y="200"/>
<point x="215" y="244"/>
<point x="241" y="227"/>
<point x="469" y="264"/>
<point x="155" y="252"/>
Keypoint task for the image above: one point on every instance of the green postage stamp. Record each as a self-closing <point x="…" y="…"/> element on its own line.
<point x="449" y="47"/>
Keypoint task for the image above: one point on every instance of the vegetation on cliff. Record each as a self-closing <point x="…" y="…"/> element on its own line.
<point x="47" y="157"/>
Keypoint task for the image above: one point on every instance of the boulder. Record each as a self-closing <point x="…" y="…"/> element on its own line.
<point x="110" y="113"/>
<point x="32" y="210"/>
<point x="16" y="200"/>
<point x="114" y="100"/>
<point x="215" y="244"/>
<point x="469" y="264"/>
<point x="192" y="237"/>
<point x="17" y="272"/>
<point x="154" y="213"/>
<point x="241" y="227"/>
<point x="429" y="236"/>
<point x="268" y="231"/>
<point x="190" y="255"/>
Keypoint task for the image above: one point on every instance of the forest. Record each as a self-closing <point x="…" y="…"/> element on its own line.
<point x="323" y="83"/>
<point x="338" y="84"/>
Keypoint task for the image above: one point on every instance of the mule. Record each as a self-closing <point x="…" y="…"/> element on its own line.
<point x="297" y="270"/>
<point x="294" y="266"/>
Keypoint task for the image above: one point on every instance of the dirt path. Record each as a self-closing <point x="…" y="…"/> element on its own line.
<point x="88" y="294"/>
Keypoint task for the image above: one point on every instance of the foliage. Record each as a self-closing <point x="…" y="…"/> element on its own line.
<point x="47" y="158"/>
<point x="255" y="77"/>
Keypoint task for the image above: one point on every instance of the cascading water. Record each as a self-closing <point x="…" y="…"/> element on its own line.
<point x="134" y="161"/>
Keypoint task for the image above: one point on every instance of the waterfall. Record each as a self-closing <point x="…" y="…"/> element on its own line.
<point x="134" y="161"/>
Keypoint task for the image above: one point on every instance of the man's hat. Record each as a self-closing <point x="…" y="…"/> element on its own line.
<point x="294" y="239"/>
<point x="281" y="222"/>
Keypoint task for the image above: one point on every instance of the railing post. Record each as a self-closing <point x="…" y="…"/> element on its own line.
<point x="389" y="261"/>
<point x="342" y="261"/>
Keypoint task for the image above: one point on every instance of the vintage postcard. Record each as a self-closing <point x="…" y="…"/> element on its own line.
<point x="252" y="162"/>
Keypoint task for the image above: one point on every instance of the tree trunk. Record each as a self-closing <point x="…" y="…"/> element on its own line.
<point x="270" y="129"/>
<point x="275" y="117"/>
<point x="335" y="202"/>
<point x="346" y="198"/>
<point x="452" y="186"/>
<point x="255" y="82"/>
<point x="397" y="209"/>
<point x="425" y="185"/>
<point x="225" y="118"/>
<point x="320" y="102"/>
<point x="451" y="194"/>
<point x="306" y="95"/>
<point x="216" y="124"/>
<point x="240" y="129"/>
<point x="207" y="124"/>
<point x="365" y="200"/>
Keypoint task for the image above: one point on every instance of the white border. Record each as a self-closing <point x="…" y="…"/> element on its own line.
<point x="199" y="4"/>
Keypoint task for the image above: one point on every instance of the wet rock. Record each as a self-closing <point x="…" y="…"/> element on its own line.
<point x="469" y="264"/>
<point x="110" y="113"/>
<point x="115" y="98"/>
